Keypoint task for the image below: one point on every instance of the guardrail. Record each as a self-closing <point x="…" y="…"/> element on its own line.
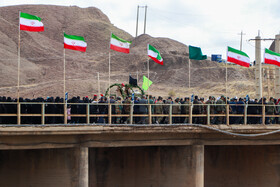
<point x="208" y="115"/>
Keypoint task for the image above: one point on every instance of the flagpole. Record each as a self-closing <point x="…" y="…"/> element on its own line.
<point x="98" y="84"/>
<point x="226" y="82"/>
<point x="137" y="76"/>
<point x="64" y="73"/>
<point x="109" y="71"/>
<point x="110" y="64"/>
<point x="148" y="64"/>
<point x="189" y="73"/>
<point x="18" y="58"/>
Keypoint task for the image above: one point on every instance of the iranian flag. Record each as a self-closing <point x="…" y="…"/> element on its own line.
<point x="238" y="57"/>
<point x="28" y="22"/>
<point x="271" y="57"/>
<point x="119" y="44"/>
<point x="154" y="54"/>
<point x="75" y="43"/>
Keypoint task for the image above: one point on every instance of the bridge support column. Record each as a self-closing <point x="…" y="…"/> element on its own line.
<point x="82" y="158"/>
<point x="198" y="159"/>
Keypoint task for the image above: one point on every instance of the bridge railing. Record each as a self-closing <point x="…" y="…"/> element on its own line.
<point x="87" y="113"/>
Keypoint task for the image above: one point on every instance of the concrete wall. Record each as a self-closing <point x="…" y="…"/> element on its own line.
<point x="242" y="166"/>
<point x="39" y="168"/>
<point x="143" y="166"/>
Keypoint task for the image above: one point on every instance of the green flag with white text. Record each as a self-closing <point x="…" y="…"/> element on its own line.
<point x="146" y="83"/>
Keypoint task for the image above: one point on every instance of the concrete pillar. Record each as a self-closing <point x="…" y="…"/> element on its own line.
<point x="82" y="170"/>
<point x="258" y="72"/>
<point x="198" y="155"/>
<point x="277" y="69"/>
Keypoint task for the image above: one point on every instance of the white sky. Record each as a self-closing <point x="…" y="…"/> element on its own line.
<point x="212" y="25"/>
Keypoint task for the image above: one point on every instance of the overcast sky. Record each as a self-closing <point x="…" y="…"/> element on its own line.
<point x="212" y="25"/>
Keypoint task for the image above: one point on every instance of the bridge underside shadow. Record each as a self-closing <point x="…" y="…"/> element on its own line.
<point x="208" y="166"/>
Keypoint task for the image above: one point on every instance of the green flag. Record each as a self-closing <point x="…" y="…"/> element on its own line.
<point x="196" y="53"/>
<point x="146" y="83"/>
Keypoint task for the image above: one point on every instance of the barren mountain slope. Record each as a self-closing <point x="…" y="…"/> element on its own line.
<point x="42" y="58"/>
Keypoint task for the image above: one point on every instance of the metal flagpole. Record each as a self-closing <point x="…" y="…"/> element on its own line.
<point x="110" y="64"/>
<point x="189" y="73"/>
<point x="148" y="77"/>
<point x="226" y="82"/>
<point x="64" y="72"/>
<point x="98" y="84"/>
<point x="137" y="76"/>
<point x="109" y="71"/>
<point x="148" y="72"/>
<point x="18" y="58"/>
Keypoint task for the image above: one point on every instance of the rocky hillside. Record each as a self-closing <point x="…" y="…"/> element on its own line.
<point x="42" y="58"/>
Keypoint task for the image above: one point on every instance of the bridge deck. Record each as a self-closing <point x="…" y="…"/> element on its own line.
<point x="64" y="136"/>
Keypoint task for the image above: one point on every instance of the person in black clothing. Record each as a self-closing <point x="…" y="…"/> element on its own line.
<point x="94" y="109"/>
<point x="112" y="101"/>
<point x="50" y="109"/>
<point x="74" y="110"/>
<point x="252" y="109"/>
<point x="102" y="109"/>
<point x="59" y="109"/>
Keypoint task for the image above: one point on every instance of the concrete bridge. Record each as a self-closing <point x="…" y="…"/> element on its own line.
<point x="140" y="155"/>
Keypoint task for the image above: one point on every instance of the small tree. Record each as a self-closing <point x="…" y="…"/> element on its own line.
<point x="171" y="93"/>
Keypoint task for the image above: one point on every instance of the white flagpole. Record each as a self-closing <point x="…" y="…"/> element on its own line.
<point x="148" y="77"/>
<point x="137" y="76"/>
<point x="18" y="58"/>
<point x="110" y="64"/>
<point x="226" y="82"/>
<point x="189" y="73"/>
<point x="109" y="71"/>
<point x="64" y="73"/>
<point x="98" y="82"/>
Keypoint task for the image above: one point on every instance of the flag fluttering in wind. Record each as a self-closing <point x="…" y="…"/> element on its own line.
<point x="30" y="23"/>
<point x="271" y="57"/>
<point x="238" y="57"/>
<point x="73" y="42"/>
<point x="118" y="44"/>
<point x="195" y="53"/>
<point x="132" y="81"/>
<point x="154" y="54"/>
<point x="146" y="83"/>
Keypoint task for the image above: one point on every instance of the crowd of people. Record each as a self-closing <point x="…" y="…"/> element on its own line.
<point x="138" y="105"/>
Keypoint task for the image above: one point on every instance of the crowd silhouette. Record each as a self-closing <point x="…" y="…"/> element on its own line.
<point x="139" y="105"/>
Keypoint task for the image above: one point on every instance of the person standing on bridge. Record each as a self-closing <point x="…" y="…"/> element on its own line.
<point x="270" y="109"/>
<point x="158" y="109"/>
<point x="185" y="109"/>
<point x="126" y="109"/>
<point x="221" y="109"/>
<point x="176" y="109"/>
<point x="118" y="109"/>
<point x="143" y="109"/>
<point x="197" y="109"/>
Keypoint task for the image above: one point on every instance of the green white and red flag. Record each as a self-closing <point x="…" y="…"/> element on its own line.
<point x="73" y="42"/>
<point x="154" y="54"/>
<point x="28" y="22"/>
<point x="118" y="44"/>
<point x="238" y="57"/>
<point x="271" y="57"/>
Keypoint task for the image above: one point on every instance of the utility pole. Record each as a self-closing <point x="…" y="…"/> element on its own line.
<point x="137" y="18"/>
<point x="241" y="39"/>
<point x="258" y="70"/>
<point x="277" y="69"/>
<point x="145" y="19"/>
<point x="137" y="21"/>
